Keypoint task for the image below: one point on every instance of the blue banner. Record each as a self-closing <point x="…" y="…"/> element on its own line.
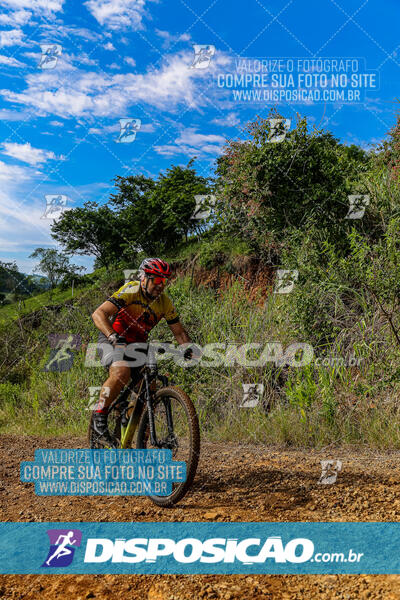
<point x="196" y="548"/>
<point x="129" y="472"/>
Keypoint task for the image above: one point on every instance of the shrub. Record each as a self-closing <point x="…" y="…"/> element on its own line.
<point x="267" y="189"/>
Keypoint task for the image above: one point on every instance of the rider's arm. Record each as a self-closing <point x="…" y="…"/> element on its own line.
<point x="172" y="318"/>
<point x="101" y="317"/>
<point x="180" y="333"/>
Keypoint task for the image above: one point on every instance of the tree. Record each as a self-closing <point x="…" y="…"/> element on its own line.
<point x="175" y="192"/>
<point x="10" y="277"/>
<point x="268" y="189"/>
<point x="157" y="214"/>
<point x="390" y="150"/>
<point x="54" y="265"/>
<point x="92" y="230"/>
<point x="143" y="215"/>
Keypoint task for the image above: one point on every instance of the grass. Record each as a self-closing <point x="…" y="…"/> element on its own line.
<point x="312" y="406"/>
<point x="197" y="247"/>
<point x="18" y="309"/>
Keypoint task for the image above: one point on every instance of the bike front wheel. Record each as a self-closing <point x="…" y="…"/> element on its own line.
<point x="176" y="428"/>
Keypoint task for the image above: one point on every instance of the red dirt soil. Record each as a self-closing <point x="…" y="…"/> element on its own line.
<point x="233" y="483"/>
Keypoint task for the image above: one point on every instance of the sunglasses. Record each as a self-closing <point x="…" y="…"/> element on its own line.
<point x="159" y="280"/>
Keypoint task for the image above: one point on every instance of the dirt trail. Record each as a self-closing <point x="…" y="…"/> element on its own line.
<point x="233" y="483"/>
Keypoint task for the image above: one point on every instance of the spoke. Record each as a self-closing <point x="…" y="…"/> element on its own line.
<point x="177" y="440"/>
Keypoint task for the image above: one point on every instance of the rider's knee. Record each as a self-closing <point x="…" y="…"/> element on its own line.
<point x="120" y="375"/>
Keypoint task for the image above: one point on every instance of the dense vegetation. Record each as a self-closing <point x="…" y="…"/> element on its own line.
<point x="285" y="205"/>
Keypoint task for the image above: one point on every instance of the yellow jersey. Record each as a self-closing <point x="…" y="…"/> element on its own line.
<point x="137" y="314"/>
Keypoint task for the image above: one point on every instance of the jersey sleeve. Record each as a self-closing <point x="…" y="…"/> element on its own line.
<point x="125" y="295"/>
<point x="170" y="312"/>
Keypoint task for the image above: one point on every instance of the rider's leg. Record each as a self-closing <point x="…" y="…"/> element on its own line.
<point x="119" y="374"/>
<point x="118" y="378"/>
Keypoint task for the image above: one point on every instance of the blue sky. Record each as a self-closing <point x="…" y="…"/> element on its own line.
<point x="134" y="59"/>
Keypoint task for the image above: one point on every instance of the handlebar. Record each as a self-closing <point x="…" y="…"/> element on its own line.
<point x="161" y="347"/>
<point x="164" y="347"/>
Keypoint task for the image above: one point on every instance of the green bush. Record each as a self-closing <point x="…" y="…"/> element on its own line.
<point x="9" y="393"/>
<point x="219" y="251"/>
<point x="266" y="189"/>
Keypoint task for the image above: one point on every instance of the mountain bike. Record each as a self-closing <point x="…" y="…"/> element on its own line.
<point x="164" y="417"/>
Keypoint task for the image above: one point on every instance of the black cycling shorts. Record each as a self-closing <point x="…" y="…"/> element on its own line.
<point x="108" y="355"/>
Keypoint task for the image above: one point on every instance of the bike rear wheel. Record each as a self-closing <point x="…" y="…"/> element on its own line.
<point x="183" y="439"/>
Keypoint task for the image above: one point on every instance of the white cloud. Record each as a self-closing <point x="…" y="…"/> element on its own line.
<point x="231" y="120"/>
<point x="109" y="46"/>
<point x="189" y="136"/>
<point x="18" y="223"/>
<point x="170" y="39"/>
<point x="26" y="194"/>
<point x="21" y="227"/>
<point x="10" y="61"/>
<point x="26" y="153"/>
<point x="10" y="37"/>
<point x="147" y="128"/>
<point x="46" y="7"/>
<point x="93" y="94"/>
<point x="23" y="203"/>
<point x="9" y="173"/>
<point x="16" y="17"/>
<point x="66" y="62"/>
<point x="56" y="123"/>
<point x="377" y="105"/>
<point x="192" y="143"/>
<point x="57" y="31"/>
<point x="12" y="115"/>
<point x="118" y="14"/>
<point x="130" y="61"/>
<point x="19" y="217"/>
<point x="82" y="59"/>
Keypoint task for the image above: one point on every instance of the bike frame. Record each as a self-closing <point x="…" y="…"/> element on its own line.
<point x="144" y="398"/>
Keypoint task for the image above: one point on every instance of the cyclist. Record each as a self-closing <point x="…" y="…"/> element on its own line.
<point x="128" y="316"/>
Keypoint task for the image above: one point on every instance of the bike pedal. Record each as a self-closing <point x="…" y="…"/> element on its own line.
<point x="106" y="445"/>
<point x="104" y="442"/>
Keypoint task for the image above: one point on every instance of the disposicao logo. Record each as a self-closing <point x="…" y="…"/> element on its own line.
<point x="63" y="543"/>
<point x="190" y="550"/>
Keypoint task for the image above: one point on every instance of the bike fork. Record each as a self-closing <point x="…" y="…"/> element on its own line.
<point x="168" y="412"/>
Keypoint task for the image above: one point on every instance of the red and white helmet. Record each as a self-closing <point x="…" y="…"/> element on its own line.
<point x="155" y="266"/>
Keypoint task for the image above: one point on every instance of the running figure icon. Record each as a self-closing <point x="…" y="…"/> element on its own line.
<point x="63" y="544"/>
<point x="62" y="549"/>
